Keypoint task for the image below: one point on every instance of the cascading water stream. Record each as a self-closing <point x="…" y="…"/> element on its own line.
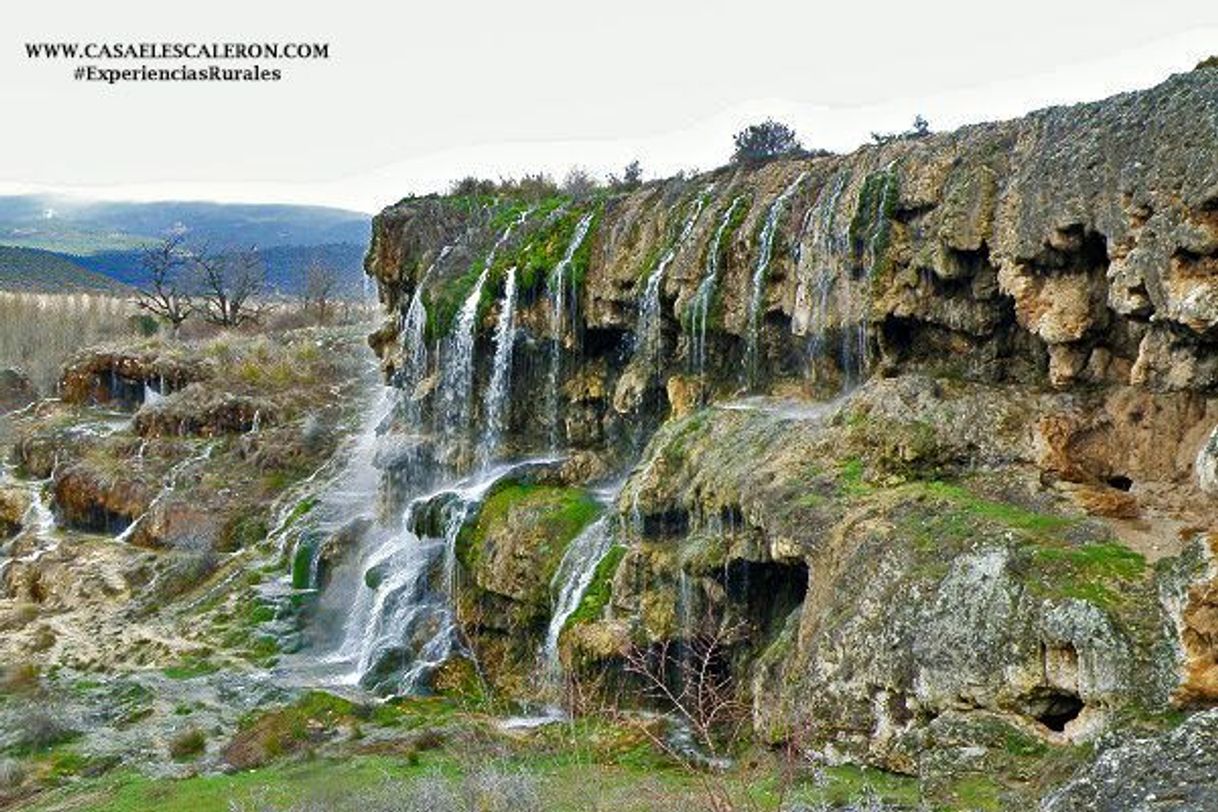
<point x="854" y="359"/>
<point x="168" y="485"/>
<point x="558" y="306"/>
<point x="458" y="374"/>
<point x="764" y="254"/>
<point x="414" y="343"/>
<point x="38" y="534"/>
<point x="827" y="246"/>
<point x="499" y="389"/>
<point x="699" y="308"/>
<point x="457" y="380"/>
<point x="401" y="625"/>
<point x="571" y="581"/>
<point x="648" y="333"/>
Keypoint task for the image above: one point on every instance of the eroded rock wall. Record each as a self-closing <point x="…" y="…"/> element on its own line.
<point x="1004" y="519"/>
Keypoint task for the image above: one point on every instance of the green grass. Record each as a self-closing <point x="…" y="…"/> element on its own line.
<point x="1102" y="573"/>
<point x="847" y="783"/>
<point x="850" y="477"/>
<point x="190" y="668"/>
<point x="1004" y="513"/>
<point x="1097" y="573"/>
<point x="631" y="779"/>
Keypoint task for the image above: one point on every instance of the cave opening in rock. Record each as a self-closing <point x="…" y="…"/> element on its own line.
<point x="1055" y="707"/>
<point x="1120" y="482"/>
<point x="768" y="590"/>
<point x="669" y="522"/>
<point x="601" y="342"/>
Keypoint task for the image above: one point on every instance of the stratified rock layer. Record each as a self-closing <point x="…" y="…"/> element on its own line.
<point x="1005" y="523"/>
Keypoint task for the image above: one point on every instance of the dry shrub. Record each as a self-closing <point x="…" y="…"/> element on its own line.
<point x="21" y="678"/>
<point x="39" y="331"/>
<point x="187" y="743"/>
<point x="12" y="774"/>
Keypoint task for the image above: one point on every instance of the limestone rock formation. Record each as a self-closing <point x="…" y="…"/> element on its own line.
<point x="1174" y="770"/>
<point x="923" y="436"/>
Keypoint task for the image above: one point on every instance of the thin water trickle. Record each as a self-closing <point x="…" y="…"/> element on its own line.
<point x="558" y="306"/>
<point x="457" y="380"/>
<point x="414" y="342"/>
<point x="757" y="292"/>
<point x="699" y="308"/>
<point x="571" y="581"/>
<point x="649" y="332"/>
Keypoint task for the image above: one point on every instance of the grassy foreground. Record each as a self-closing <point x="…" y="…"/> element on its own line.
<point x="431" y="755"/>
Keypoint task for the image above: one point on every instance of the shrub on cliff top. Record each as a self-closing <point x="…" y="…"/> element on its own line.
<point x="1211" y="62"/>
<point x="761" y="142"/>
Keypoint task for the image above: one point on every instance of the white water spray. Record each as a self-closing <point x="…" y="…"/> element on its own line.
<point x="649" y="333"/>
<point x="499" y="390"/>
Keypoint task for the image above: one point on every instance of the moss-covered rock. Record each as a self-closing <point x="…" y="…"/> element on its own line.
<point x="509" y="553"/>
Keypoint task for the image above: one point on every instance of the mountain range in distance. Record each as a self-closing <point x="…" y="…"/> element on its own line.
<point x="52" y="243"/>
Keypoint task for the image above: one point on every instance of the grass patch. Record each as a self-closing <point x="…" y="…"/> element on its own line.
<point x="191" y="667"/>
<point x="187" y="744"/>
<point x="1004" y="513"/>
<point x="311" y="719"/>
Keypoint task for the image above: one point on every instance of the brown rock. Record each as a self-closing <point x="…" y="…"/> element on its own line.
<point x="1199" y="637"/>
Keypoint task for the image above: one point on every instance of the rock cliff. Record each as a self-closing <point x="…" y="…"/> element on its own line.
<point x="923" y="436"/>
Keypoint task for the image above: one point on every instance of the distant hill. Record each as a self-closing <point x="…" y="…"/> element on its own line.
<point x="106" y="238"/>
<point x="284" y="265"/>
<point x="86" y="227"/>
<point x="33" y="270"/>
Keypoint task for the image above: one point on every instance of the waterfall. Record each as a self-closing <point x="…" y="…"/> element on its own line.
<point x="38" y="523"/>
<point x="854" y="359"/>
<point x="649" y="331"/>
<point x="168" y="485"/>
<point x="573" y="577"/>
<point x="457" y="381"/>
<point x="458" y="376"/>
<point x="152" y="396"/>
<point x="826" y="245"/>
<point x="414" y="343"/>
<point x="558" y="305"/>
<point x="402" y="624"/>
<point x="700" y="306"/>
<point x="765" y="251"/>
<point x="499" y="390"/>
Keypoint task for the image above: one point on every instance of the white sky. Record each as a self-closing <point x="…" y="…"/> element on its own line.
<point x="416" y="93"/>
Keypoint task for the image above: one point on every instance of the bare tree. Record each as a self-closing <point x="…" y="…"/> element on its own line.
<point x="320" y="291"/>
<point x="230" y="283"/>
<point x="692" y="681"/>
<point x="165" y="296"/>
<point x="579" y="182"/>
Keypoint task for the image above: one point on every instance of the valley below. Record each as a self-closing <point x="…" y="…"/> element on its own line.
<point x="874" y="481"/>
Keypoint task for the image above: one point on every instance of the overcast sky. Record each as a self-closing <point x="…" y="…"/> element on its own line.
<point x="417" y="93"/>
